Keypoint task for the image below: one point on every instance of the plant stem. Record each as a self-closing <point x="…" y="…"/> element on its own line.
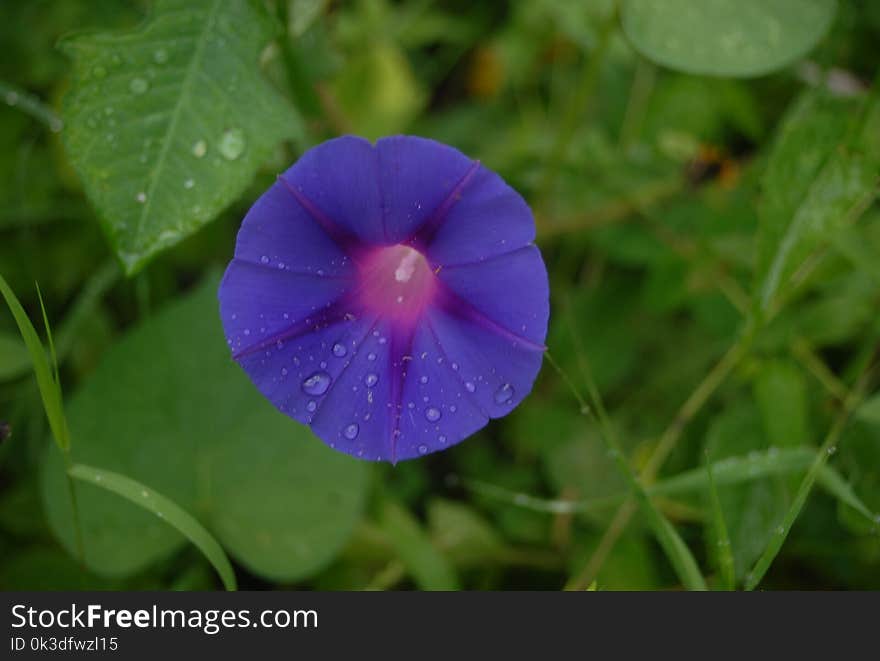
<point x="677" y="552"/>
<point x="664" y="447"/>
<point x="576" y="108"/>
<point x="828" y="447"/>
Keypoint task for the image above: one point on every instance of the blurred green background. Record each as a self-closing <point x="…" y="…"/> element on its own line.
<point x="708" y="222"/>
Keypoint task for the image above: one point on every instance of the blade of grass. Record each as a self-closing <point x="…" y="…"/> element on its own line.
<point x="49" y="391"/>
<point x="722" y="539"/>
<point x="165" y="509"/>
<point x="828" y="447"/>
<point x="676" y="550"/>
<point x="49" y="386"/>
<point x="726" y="472"/>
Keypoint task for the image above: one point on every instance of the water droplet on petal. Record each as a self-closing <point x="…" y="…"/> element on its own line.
<point x="371" y="356"/>
<point x="138" y="86"/>
<point x="469" y="386"/>
<point x="316" y="384"/>
<point x="351" y="431"/>
<point x="432" y="414"/>
<point x="424" y="379"/>
<point x="199" y="148"/>
<point x="442" y="438"/>
<point x="311" y="406"/>
<point x="371" y="380"/>
<point x="264" y="259"/>
<point x="423" y="449"/>
<point x="339" y="350"/>
<point x="232" y="144"/>
<point x="504" y="394"/>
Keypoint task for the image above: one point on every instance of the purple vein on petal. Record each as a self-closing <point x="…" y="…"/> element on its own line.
<point x="335" y="312"/>
<point x="487" y="260"/>
<point x="458" y="377"/>
<point x="457" y="306"/>
<point x="341" y="236"/>
<point x="401" y="347"/>
<point x="428" y="229"/>
<point x="290" y="271"/>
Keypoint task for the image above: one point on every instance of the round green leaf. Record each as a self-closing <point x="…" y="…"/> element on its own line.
<point x="726" y="37"/>
<point x="168" y="408"/>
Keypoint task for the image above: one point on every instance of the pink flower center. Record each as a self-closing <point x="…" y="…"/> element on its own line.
<point x="397" y="283"/>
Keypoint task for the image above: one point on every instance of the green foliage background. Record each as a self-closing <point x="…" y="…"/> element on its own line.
<point x="704" y="180"/>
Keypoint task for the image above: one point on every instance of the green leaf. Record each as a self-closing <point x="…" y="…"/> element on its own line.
<point x="14" y="358"/>
<point x="870" y="411"/>
<point x="168" y="408"/>
<point x="726" y="37"/>
<point x="430" y="569"/>
<point x="821" y="173"/>
<point x="781" y="394"/>
<point x="165" y="509"/>
<point x="463" y="534"/>
<point x="166" y="125"/>
<point x="50" y="392"/>
<point x="723" y="552"/>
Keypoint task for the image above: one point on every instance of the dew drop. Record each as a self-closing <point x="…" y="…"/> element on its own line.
<point x="455" y="366"/>
<point x="371" y="380"/>
<point x="351" y="431"/>
<point x="199" y="148"/>
<point x="311" y="406"/>
<point x="141" y="197"/>
<point x="232" y="144"/>
<point x="316" y="384"/>
<point x="371" y="356"/>
<point x="138" y="86"/>
<point x="283" y="371"/>
<point x="339" y="350"/>
<point x="504" y="394"/>
<point x="469" y="386"/>
<point x="264" y="259"/>
<point x="160" y="56"/>
<point x="432" y="414"/>
<point x="99" y="71"/>
<point x="423" y="380"/>
<point x="423" y="449"/>
<point x="189" y="183"/>
<point x="442" y="438"/>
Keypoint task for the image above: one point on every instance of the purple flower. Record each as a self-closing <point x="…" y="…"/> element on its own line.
<point x="389" y="296"/>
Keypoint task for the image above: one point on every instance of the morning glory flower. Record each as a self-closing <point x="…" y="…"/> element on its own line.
<point x="389" y="296"/>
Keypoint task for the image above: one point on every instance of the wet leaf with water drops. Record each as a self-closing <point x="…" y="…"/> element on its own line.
<point x="159" y="100"/>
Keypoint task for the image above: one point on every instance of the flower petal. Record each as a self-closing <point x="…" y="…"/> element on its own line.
<point x="356" y="416"/>
<point x="278" y="232"/>
<point x="496" y="371"/>
<point x="436" y="410"/>
<point x="260" y="304"/>
<point x="511" y="290"/>
<point x="488" y="219"/>
<point x="419" y="180"/>
<point x="299" y="374"/>
<point x="337" y="182"/>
